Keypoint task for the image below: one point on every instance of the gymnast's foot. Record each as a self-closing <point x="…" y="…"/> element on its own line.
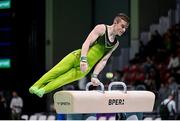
<point x="33" y="89"/>
<point x="40" y="92"/>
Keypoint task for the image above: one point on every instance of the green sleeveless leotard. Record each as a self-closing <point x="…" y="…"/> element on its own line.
<point x="68" y="69"/>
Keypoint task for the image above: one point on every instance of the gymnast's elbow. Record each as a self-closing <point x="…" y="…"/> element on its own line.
<point x="103" y="62"/>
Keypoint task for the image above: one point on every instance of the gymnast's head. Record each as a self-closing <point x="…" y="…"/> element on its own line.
<point x="120" y="23"/>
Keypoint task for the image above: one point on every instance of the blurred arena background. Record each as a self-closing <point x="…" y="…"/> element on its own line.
<point x="36" y="34"/>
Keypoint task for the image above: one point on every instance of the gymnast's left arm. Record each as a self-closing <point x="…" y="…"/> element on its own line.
<point x="99" y="67"/>
<point x="95" y="33"/>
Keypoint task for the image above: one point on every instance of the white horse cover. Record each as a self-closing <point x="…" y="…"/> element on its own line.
<point x="94" y="101"/>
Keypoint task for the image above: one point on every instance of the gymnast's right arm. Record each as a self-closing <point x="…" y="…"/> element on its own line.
<point x="94" y="34"/>
<point x="101" y="65"/>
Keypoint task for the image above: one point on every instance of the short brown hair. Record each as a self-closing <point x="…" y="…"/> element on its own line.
<point x="121" y="16"/>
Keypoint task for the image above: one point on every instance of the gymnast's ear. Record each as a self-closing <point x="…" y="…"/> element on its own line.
<point x="115" y="22"/>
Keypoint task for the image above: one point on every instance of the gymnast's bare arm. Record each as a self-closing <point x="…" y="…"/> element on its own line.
<point x="101" y="65"/>
<point x="99" y="30"/>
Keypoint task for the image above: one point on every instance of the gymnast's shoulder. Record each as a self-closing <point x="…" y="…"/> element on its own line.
<point x="100" y="28"/>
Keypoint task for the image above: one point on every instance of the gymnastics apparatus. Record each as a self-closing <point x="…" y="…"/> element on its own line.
<point x="101" y="101"/>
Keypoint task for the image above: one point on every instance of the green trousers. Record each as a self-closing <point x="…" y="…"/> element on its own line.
<point x="66" y="71"/>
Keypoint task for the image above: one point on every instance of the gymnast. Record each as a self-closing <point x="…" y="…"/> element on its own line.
<point x="96" y="50"/>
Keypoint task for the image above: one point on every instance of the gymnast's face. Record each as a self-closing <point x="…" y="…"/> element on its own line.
<point x="120" y="27"/>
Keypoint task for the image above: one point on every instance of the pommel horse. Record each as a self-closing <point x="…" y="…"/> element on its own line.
<point x="101" y="101"/>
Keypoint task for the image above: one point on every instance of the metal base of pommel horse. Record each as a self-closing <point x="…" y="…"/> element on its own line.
<point x="100" y="101"/>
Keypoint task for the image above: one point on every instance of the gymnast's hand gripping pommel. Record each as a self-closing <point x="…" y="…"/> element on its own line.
<point x="95" y="52"/>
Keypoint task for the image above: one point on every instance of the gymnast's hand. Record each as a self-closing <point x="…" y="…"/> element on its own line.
<point x="95" y="81"/>
<point x="83" y="66"/>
